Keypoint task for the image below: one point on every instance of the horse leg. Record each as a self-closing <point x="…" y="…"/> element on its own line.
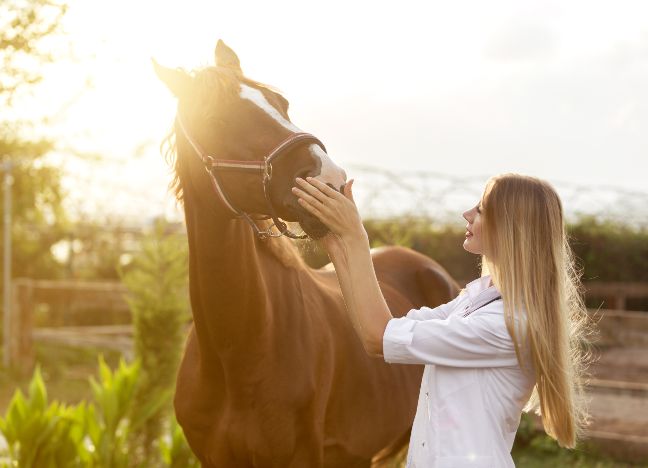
<point x="335" y="456"/>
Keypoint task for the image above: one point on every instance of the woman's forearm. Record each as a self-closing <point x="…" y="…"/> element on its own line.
<point x="365" y="303"/>
<point x="348" y="247"/>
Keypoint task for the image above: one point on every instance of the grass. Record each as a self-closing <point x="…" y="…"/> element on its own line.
<point x="544" y="452"/>
<point x="66" y="371"/>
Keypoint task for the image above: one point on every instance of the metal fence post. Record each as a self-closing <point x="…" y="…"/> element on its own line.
<point x="8" y="182"/>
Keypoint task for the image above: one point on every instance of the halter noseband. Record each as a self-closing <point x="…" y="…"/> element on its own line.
<point x="263" y="168"/>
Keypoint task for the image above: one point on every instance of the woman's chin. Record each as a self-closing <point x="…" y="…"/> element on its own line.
<point x="467" y="247"/>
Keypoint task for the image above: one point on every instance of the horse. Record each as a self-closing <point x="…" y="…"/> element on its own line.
<point x="273" y="374"/>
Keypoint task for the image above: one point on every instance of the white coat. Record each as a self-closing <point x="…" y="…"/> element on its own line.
<point x="473" y="388"/>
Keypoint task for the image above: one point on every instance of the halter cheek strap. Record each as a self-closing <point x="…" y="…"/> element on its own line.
<point x="263" y="168"/>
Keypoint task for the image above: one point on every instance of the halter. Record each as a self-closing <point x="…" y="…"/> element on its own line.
<point x="263" y="168"/>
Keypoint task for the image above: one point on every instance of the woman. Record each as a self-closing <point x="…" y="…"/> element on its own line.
<point x="510" y="342"/>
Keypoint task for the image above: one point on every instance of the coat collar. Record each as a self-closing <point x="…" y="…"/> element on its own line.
<point x="480" y="289"/>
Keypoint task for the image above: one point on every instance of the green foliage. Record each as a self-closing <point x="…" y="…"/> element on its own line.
<point x="24" y="49"/>
<point x="39" y="220"/>
<point x="535" y="449"/>
<point x="107" y="425"/>
<point x="442" y="243"/>
<point x="38" y="217"/>
<point x="157" y="282"/>
<point x="174" y="449"/>
<point x="42" y="435"/>
<point x="88" y="435"/>
<point x="610" y="251"/>
<point x="98" y="247"/>
<point x="605" y="250"/>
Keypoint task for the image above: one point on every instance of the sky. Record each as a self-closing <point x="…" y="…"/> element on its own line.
<point x="553" y="89"/>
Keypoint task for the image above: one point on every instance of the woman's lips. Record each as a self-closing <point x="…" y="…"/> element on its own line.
<point x="468" y="234"/>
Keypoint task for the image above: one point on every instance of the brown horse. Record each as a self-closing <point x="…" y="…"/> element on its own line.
<point x="273" y="374"/>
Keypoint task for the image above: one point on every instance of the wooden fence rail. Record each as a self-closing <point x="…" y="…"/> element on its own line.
<point x="615" y="294"/>
<point x="27" y="294"/>
<point x="617" y="325"/>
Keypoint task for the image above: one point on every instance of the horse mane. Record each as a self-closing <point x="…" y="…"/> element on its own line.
<point x="223" y="83"/>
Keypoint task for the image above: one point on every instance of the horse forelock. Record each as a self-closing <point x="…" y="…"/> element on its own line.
<point x="215" y="84"/>
<point x="211" y="85"/>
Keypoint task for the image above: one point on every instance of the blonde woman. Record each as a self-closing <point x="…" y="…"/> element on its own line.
<point x="510" y="342"/>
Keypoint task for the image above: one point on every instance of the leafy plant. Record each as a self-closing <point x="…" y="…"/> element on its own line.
<point x="96" y="434"/>
<point x="107" y="425"/>
<point x="158" y="298"/>
<point x="174" y="449"/>
<point x="42" y="435"/>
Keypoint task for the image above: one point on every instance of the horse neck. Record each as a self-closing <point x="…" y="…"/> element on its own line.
<point x="231" y="303"/>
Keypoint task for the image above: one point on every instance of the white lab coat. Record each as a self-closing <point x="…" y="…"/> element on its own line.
<point x="473" y="388"/>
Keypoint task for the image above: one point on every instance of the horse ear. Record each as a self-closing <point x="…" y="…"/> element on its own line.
<point x="226" y="57"/>
<point x="176" y="80"/>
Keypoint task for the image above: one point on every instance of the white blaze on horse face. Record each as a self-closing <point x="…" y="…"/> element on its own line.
<point x="329" y="172"/>
<point x="257" y="97"/>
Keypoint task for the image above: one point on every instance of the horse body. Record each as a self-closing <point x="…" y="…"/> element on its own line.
<point x="273" y="374"/>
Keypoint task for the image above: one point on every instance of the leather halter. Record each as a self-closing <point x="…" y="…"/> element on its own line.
<point x="263" y="168"/>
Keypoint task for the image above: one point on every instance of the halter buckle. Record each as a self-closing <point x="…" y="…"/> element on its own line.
<point x="267" y="170"/>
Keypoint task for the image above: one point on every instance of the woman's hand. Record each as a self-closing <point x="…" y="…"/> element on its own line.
<point x="336" y="210"/>
<point x="348" y="248"/>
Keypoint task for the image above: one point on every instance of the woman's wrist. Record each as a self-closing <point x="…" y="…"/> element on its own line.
<point x="356" y="238"/>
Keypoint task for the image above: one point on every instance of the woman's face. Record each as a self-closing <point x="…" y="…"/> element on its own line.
<point x="473" y="242"/>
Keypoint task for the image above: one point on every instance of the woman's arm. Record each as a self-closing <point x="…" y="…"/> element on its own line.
<point x="348" y="247"/>
<point x="364" y="300"/>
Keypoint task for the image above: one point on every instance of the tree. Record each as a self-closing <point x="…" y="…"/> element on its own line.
<point x="25" y="28"/>
<point x="27" y="33"/>
<point x="157" y="282"/>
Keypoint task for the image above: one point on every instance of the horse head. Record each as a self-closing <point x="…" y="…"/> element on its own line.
<point x="232" y="122"/>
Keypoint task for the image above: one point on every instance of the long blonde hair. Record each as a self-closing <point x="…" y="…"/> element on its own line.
<point x="531" y="263"/>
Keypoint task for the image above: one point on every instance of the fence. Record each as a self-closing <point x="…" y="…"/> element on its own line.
<point x="616" y="294"/>
<point x="619" y="383"/>
<point x="110" y="296"/>
<point x="27" y="294"/>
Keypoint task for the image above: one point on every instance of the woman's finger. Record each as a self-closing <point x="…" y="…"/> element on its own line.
<point x="348" y="190"/>
<point x="312" y="190"/>
<point x="312" y="209"/>
<point x="331" y="192"/>
<point x="305" y="196"/>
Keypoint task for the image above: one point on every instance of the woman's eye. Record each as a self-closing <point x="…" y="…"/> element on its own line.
<point x="478" y="210"/>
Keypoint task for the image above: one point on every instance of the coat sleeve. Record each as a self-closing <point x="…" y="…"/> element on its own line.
<point x="479" y="340"/>
<point x="440" y="312"/>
